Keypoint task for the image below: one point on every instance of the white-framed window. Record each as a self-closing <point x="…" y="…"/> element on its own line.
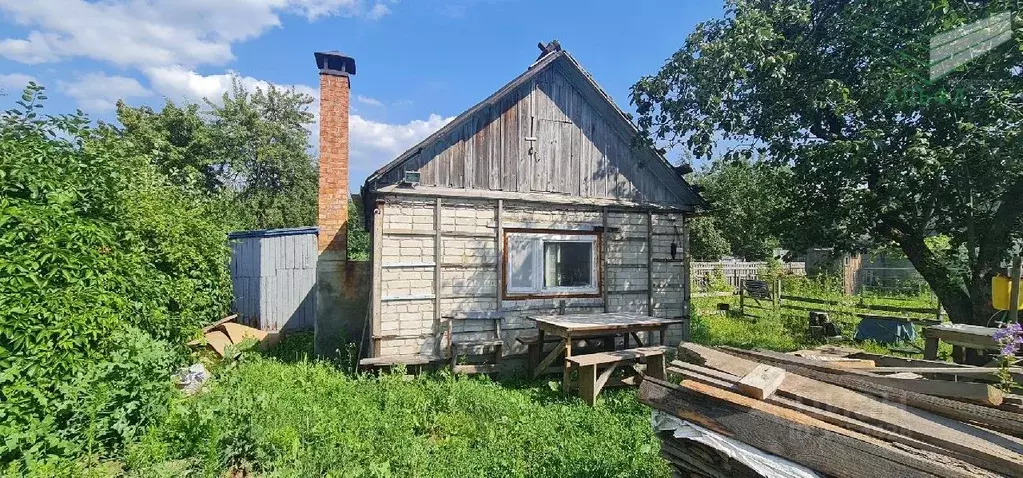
<point x="551" y="263"/>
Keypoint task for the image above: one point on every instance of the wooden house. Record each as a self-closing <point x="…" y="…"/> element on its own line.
<point x="531" y="200"/>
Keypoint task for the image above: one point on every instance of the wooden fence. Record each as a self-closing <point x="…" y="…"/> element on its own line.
<point x="859" y="307"/>
<point x="734" y="273"/>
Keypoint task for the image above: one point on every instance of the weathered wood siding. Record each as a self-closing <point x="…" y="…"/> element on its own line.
<point x="273" y="274"/>
<point x="639" y="274"/>
<point x="579" y="149"/>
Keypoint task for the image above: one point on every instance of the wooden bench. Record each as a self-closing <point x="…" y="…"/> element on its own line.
<point x="535" y="350"/>
<point x="590" y="383"/>
<point x="411" y="360"/>
<point x="496" y="344"/>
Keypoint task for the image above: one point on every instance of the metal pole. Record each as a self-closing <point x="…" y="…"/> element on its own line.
<point x="1014" y="290"/>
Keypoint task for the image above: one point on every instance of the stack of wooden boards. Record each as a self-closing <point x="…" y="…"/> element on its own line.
<point x="839" y="419"/>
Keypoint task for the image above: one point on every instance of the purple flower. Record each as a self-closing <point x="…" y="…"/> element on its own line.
<point x="1010" y="338"/>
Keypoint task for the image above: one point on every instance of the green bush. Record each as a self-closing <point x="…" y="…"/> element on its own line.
<point x="102" y="264"/>
<point x="309" y="419"/>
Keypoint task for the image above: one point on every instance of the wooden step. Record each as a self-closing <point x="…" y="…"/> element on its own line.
<point x="475" y="368"/>
<point x="532" y="339"/>
<point x="478" y="343"/>
<point x="391" y="360"/>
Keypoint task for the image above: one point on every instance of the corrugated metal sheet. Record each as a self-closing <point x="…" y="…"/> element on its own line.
<point x="274" y="277"/>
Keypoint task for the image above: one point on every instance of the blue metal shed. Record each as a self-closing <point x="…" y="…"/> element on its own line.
<point x="273" y="272"/>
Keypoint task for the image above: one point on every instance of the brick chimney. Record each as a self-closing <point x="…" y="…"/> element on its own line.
<point x="335" y="70"/>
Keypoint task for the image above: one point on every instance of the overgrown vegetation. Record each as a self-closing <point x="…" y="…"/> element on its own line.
<point x="309" y="419"/>
<point x="107" y="269"/>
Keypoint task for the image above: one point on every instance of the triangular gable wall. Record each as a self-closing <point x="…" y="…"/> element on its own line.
<point x="551" y="131"/>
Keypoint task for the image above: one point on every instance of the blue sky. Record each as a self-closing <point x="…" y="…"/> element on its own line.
<point x="420" y="62"/>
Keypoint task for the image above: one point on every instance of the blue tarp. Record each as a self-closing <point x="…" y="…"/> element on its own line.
<point x="885" y="330"/>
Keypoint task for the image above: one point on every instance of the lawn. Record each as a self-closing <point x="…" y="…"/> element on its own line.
<point x="267" y="416"/>
<point x="785" y="328"/>
<point x="281" y="414"/>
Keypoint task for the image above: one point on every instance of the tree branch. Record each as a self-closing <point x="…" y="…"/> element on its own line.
<point x="995" y="240"/>
<point x="951" y="293"/>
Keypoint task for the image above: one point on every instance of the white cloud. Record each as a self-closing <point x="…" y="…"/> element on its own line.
<point x="378" y="11"/>
<point x="100" y="92"/>
<point x="14" y="81"/>
<point x="391" y="139"/>
<point x="373" y="144"/>
<point x="366" y="100"/>
<point x="155" y="32"/>
<point x="178" y="83"/>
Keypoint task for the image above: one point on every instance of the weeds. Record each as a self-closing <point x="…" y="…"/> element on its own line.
<point x="310" y="419"/>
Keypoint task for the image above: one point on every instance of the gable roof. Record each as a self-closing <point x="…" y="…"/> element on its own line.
<point x="554" y="56"/>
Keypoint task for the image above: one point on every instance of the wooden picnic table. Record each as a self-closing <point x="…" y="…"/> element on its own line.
<point x="579" y="326"/>
<point x="968" y="336"/>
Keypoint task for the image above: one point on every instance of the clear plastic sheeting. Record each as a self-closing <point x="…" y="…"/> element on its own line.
<point x="766" y="464"/>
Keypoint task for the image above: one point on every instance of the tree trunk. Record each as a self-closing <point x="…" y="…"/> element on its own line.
<point x="953" y="296"/>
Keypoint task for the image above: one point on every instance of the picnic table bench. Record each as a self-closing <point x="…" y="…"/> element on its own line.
<point x="568" y="328"/>
<point x="963" y="335"/>
<point x="590" y="383"/>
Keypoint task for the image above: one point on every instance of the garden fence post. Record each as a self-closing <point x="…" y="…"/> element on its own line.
<point x="777" y="293"/>
<point x="1014" y="290"/>
<point x="742" y="305"/>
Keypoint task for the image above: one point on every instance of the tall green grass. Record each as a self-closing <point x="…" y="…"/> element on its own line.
<point x="309" y="419"/>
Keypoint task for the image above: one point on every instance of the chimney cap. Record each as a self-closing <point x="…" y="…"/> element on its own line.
<point x="334" y="63"/>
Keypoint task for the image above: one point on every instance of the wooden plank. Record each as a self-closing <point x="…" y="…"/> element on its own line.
<point x="650" y="262"/>
<point x="729" y="382"/>
<point x="963" y="371"/>
<point x="588" y="384"/>
<point x="894" y="361"/>
<point x="603" y="358"/>
<point x="437" y="254"/>
<point x="761" y="382"/>
<point x="378" y="259"/>
<point x="842" y="362"/>
<point x="530" y="197"/>
<point x="604" y="239"/>
<point x="835" y="451"/>
<point x="609" y="322"/>
<point x="897" y="391"/>
<point x="971" y="336"/>
<point x="984" y="448"/>
<point x="542" y="367"/>
<point x="387" y="360"/>
<point x="499" y="241"/>
<point x="980" y="393"/>
<point x="214" y="325"/>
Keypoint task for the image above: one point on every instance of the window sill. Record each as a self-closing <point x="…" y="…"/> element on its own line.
<point x="552" y="295"/>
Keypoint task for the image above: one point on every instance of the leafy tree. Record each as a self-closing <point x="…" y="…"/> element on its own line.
<point x="262" y="135"/>
<point x="103" y="264"/>
<point x="746" y="199"/>
<point x="251" y="152"/>
<point x="705" y="240"/>
<point x="358" y="237"/>
<point x="179" y="142"/>
<point x="839" y="91"/>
